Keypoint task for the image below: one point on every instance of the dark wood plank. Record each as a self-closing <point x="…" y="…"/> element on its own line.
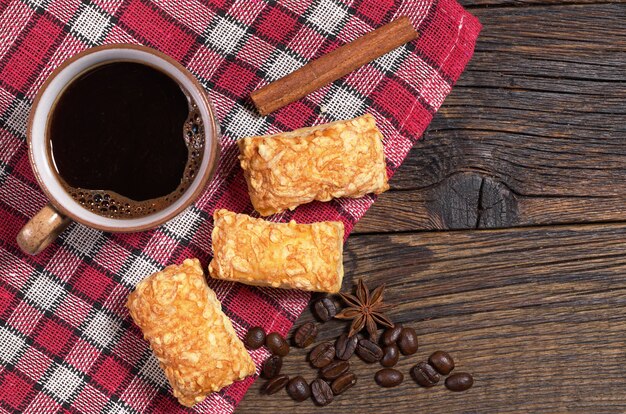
<point x="537" y="315"/>
<point x="474" y="4"/>
<point x="470" y="200"/>
<point x="533" y="133"/>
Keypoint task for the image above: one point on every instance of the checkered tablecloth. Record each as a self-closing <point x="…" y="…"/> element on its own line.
<point x="66" y="341"/>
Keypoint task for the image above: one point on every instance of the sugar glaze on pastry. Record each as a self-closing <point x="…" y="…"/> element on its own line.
<point x="283" y="255"/>
<point x="340" y="159"/>
<point x="192" y="338"/>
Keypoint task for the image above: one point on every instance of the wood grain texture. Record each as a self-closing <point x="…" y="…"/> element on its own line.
<point x="537" y="315"/>
<point x="474" y="4"/>
<point x="533" y="132"/>
<point x="532" y="135"/>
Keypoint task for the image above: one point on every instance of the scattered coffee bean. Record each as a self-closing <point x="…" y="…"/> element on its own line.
<point x="321" y="392"/>
<point x="391" y="335"/>
<point x="305" y="335"/>
<point x="407" y="342"/>
<point x="255" y="338"/>
<point x="277" y="344"/>
<point x="369" y="351"/>
<point x="425" y="375"/>
<point x="322" y="355"/>
<point x="442" y="361"/>
<point x="345" y="346"/>
<point x="334" y="370"/>
<point x="391" y="354"/>
<point x="275" y="384"/>
<point x="388" y="377"/>
<point x="460" y="381"/>
<point x="325" y="309"/>
<point x="343" y="382"/>
<point x="272" y="366"/>
<point x="298" y="389"/>
<point x="334" y="374"/>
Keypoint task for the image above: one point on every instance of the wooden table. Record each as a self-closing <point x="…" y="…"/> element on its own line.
<point x="503" y="238"/>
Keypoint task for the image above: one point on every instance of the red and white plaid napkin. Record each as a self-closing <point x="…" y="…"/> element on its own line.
<point x="66" y="341"/>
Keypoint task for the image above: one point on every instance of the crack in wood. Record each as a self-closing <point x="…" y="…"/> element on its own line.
<point x="479" y="208"/>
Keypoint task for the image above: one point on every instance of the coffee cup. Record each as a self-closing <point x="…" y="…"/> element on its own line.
<point x="64" y="207"/>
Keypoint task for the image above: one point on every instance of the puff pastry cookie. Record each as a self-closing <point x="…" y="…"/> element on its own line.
<point x="340" y="159"/>
<point x="283" y="255"/>
<point x="193" y="339"/>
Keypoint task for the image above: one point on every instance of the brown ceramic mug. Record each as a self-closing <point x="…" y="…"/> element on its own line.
<point x="48" y="223"/>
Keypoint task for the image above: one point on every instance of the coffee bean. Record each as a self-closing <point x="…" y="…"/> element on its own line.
<point x="391" y="335"/>
<point x="460" y="381"/>
<point x="255" y="338"/>
<point x="272" y="366"/>
<point x="345" y="346"/>
<point x="391" y="354"/>
<point x="275" y="384"/>
<point x="343" y="382"/>
<point x="442" y="362"/>
<point x="277" y="344"/>
<point x="298" y="389"/>
<point x="305" y="335"/>
<point x="407" y="342"/>
<point x="321" y="392"/>
<point x="322" y="355"/>
<point x="334" y="370"/>
<point x="388" y="377"/>
<point x="425" y="375"/>
<point x="369" y="351"/>
<point x="325" y="309"/>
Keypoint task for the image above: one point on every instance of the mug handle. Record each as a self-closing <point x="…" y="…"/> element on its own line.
<point x="41" y="230"/>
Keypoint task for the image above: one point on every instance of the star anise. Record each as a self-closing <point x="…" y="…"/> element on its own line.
<point x="365" y="310"/>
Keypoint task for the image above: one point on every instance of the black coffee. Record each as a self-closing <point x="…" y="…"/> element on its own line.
<point x="125" y="140"/>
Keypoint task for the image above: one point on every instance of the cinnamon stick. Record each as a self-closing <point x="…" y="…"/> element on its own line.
<point x="334" y="65"/>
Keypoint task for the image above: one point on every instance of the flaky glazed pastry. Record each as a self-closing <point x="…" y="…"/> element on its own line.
<point x="192" y="338"/>
<point x="340" y="159"/>
<point x="282" y="255"/>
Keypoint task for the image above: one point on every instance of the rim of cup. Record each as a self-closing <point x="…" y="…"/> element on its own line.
<point x="54" y="86"/>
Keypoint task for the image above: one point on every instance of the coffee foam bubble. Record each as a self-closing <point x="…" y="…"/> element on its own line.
<point x="113" y="205"/>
